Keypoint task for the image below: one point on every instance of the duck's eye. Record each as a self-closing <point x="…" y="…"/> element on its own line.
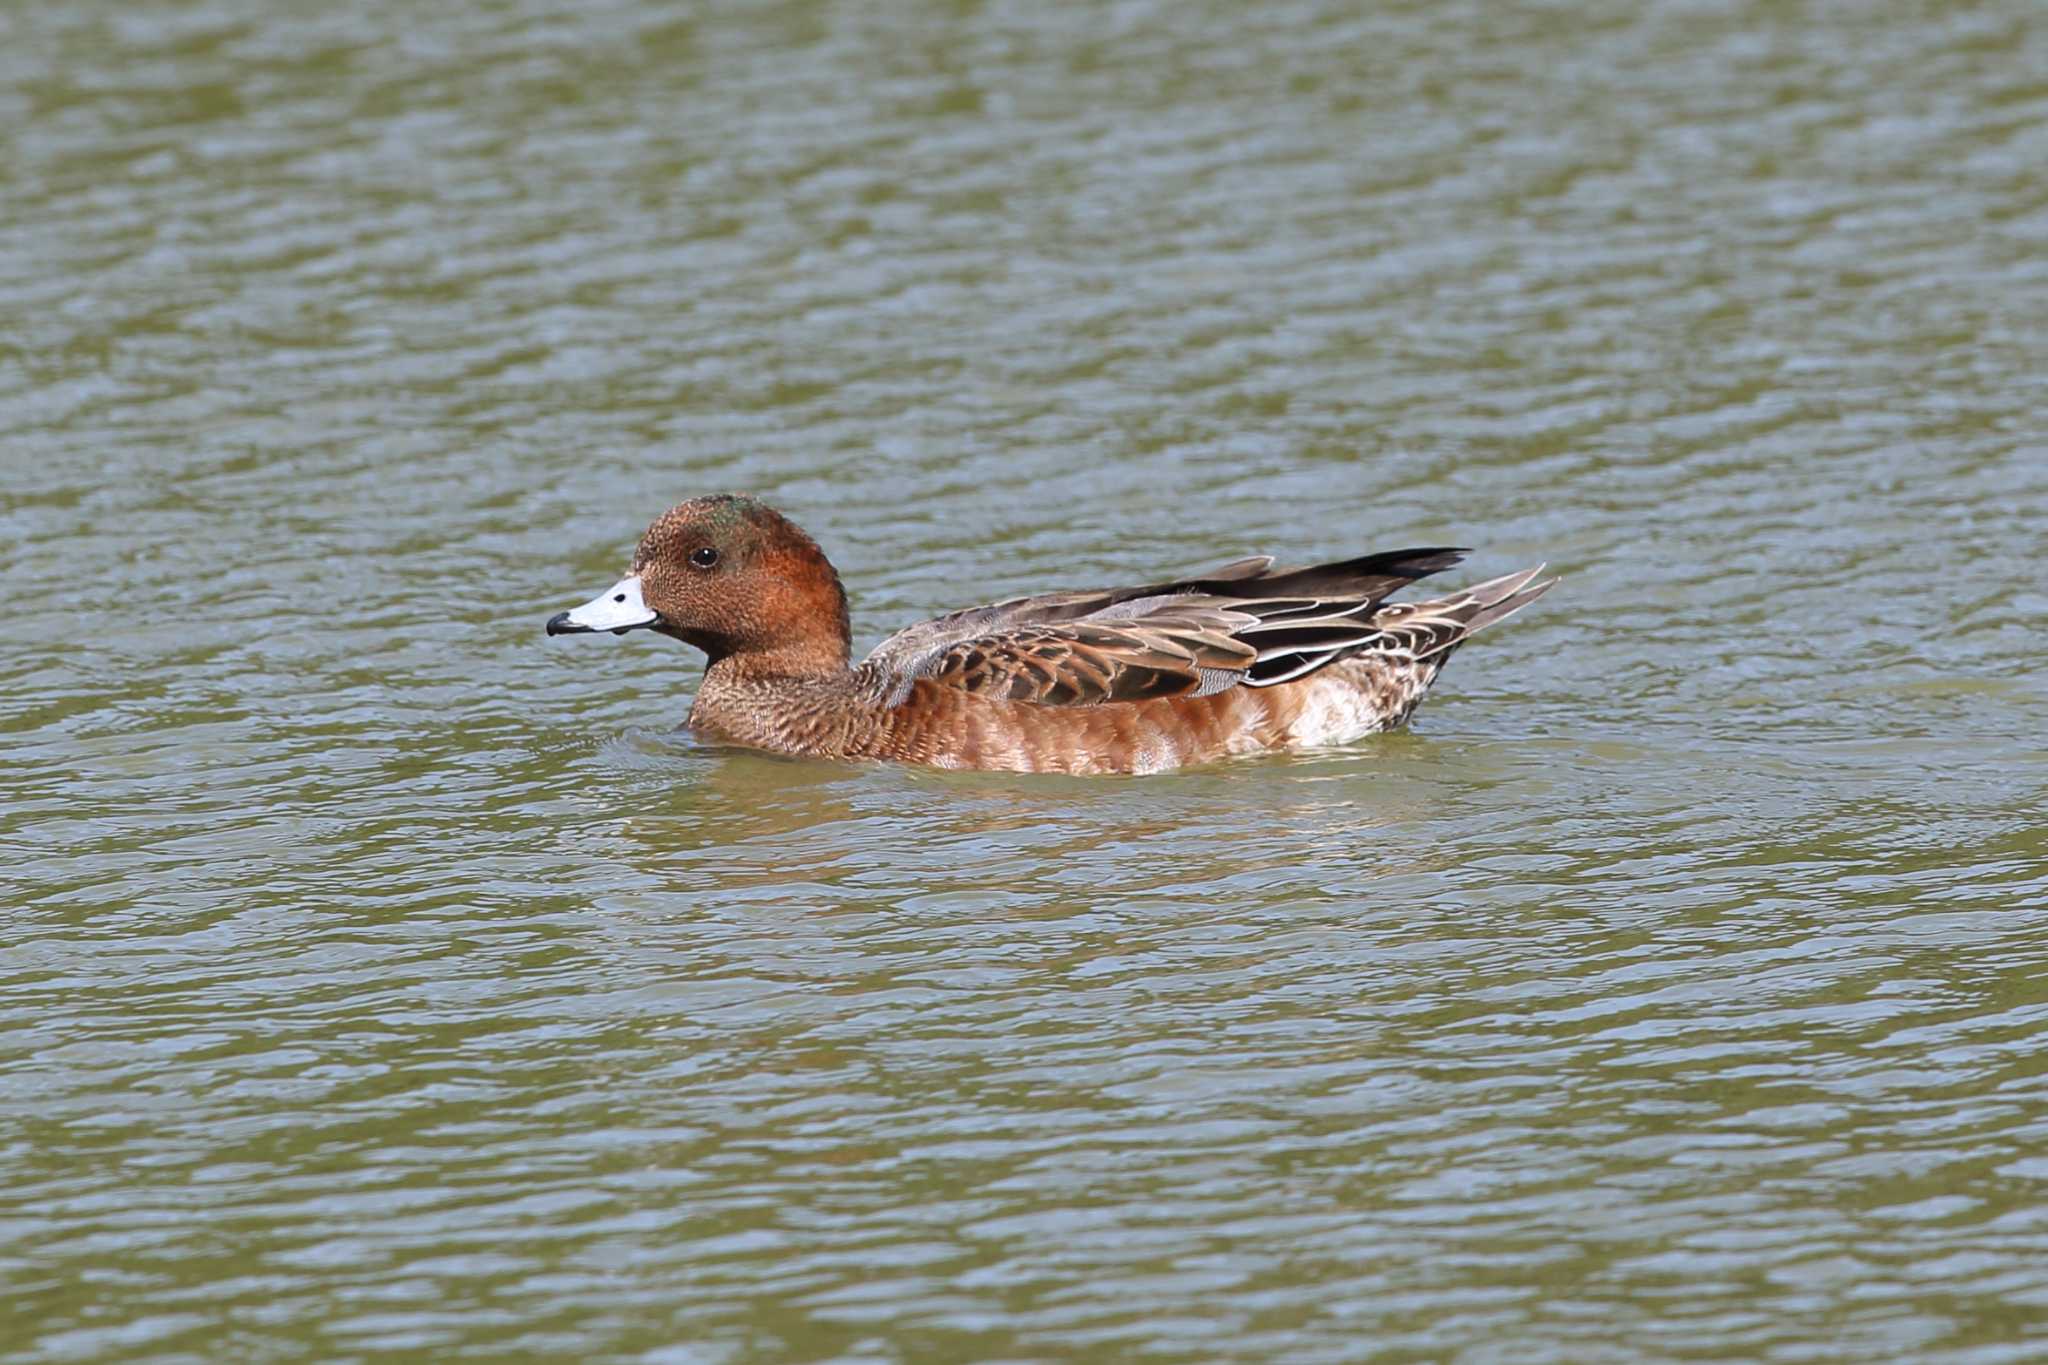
<point x="704" y="557"/>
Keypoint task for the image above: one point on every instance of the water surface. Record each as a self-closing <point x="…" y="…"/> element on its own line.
<point x="384" y="980"/>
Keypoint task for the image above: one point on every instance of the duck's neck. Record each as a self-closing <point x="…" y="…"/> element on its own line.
<point x="801" y="702"/>
<point x="820" y="658"/>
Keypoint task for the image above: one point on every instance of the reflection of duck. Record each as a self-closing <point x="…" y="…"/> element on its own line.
<point x="1243" y="659"/>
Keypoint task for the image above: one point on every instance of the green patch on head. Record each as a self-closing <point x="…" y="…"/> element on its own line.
<point x="733" y="522"/>
<point x="727" y="511"/>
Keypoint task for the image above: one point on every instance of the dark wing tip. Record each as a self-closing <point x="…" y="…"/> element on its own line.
<point x="1427" y="559"/>
<point x="1366" y="579"/>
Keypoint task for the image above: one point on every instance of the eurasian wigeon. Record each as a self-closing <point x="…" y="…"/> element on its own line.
<point x="1243" y="659"/>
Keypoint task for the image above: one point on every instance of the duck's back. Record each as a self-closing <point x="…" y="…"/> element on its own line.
<point x="1241" y="660"/>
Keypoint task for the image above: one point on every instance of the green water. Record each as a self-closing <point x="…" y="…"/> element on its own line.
<point x="382" y="980"/>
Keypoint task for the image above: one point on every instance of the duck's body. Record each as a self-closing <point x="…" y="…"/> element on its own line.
<point x="943" y="727"/>
<point x="1244" y="659"/>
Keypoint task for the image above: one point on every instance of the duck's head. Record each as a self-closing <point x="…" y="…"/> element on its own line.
<point x="735" y="578"/>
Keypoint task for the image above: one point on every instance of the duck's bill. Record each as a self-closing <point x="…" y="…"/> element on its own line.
<point x="617" y="609"/>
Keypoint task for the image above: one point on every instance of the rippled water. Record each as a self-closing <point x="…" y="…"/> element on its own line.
<point x="384" y="980"/>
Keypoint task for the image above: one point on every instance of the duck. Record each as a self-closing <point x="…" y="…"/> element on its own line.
<point x="1246" y="658"/>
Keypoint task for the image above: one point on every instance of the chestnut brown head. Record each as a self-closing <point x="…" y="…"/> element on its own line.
<point x="733" y="577"/>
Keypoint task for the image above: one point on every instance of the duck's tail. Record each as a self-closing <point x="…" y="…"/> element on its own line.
<point x="1411" y="641"/>
<point x="1430" y="630"/>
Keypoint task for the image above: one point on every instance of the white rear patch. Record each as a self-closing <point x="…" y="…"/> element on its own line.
<point x="1335" y="711"/>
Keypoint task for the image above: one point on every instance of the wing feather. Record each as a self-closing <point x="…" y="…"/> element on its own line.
<point x="1244" y="624"/>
